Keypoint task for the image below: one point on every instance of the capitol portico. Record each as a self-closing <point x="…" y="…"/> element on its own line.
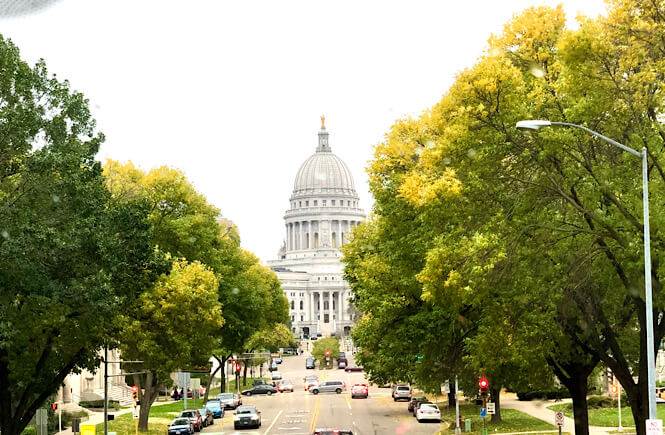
<point x="323" y="210"/>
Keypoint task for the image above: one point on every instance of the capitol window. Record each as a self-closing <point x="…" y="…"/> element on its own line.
<point x="323" y="203"/>
<point x="315" y="203"/>
<point x="332" y="202"/>
<point x="306" y="203"/>
<point x="301" y="305"/>
<point x="299" y="203"/>
<point x="348" y="203"/>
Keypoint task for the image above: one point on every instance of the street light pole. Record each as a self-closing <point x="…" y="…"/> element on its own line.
<point x="651" y="361"/>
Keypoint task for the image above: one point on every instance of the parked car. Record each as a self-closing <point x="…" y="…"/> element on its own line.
<point x="194" y="418"/>
<point x="260" y="389"/>
<point x="247" y="416"/>
<point x="402" y="392"/>
<point x="181" y="426"/>
<point x="328" y="387"/>
<point x="428" y="411"/>
<point x="310" y="363"/>
<point x="332" y="432"/>
<point x="353" y="369"/>
<point x="310" y="381"/>
<point x="216" y="407"/>
<point x="276" y="376"/>
<point x="341" y="365"/>
<point x="314" y="338"/>
<point x="285" y="386"/>
<point x="360" y="390"/>
<point x="230" y="400"/>
<point x="342" y="359"/>
<point x="273" y="366"/>
<point x="415" y="400"/>
<point x="418" y="405"/>
<point x="318" y="334"/>
<point x="207" y="416"/>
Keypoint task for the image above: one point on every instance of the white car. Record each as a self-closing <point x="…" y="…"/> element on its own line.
<point x="428" y="411"/>
<point x="276" y="376"/>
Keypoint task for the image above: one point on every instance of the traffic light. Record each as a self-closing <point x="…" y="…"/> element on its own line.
<point x="483" y="384"/>
<point x="135" y="392"/>
<point x="54" y="406"/>
<point x="238" y="368"/>
<point x="615" y="388"/>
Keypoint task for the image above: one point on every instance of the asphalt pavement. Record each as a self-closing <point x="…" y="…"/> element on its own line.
<point x="300" y="412"/>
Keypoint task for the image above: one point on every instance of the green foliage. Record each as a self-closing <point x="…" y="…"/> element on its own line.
<point x="71" y="260"/>
<point x="326" y="344"/>
<point x="278" y="336"/>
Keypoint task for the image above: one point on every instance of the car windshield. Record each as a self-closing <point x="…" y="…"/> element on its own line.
<point x="187" y="414"/>
<point x="245" y="410"/>
<point x="225" y="396"/>
<point x="179" y="422"/>
<point x="212" y="404"/>
<point x="429" y="406"/>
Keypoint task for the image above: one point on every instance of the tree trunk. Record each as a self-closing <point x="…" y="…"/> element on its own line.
<point x="495" y="396"/>
<point x="451" y="395"/>
<point x="146" y="397"/>
<point x="573" y="374"/>
<point x="212" y="377"/>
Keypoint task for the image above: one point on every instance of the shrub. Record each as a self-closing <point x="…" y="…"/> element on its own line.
<point x="114" y="404"/>
<point x="600" y="402"/>
<point x="551" y="394"/>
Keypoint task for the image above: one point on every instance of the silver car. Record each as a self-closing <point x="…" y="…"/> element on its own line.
<point x="328" y="387"/>
<point x="402" y="392"/>
<point x="229" y="400"/>
<point x="247" y="416"/>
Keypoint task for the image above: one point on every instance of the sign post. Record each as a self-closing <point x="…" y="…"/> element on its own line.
<point x="558" y="420"/>
<point x="135" y="416"/>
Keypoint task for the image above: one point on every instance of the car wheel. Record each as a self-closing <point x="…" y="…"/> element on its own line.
<point x="338" y="391"/>
<point x="315" y="391"/>
<point x="269" y="393"/>
<point x="249" y="393"/>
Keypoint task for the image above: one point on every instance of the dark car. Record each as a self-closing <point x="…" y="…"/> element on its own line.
<point x="260" y="389"/>
<point x="181" y="426"/>
<point x="207" y="416"/>
<point x="318" y="334"/>
<point x="194" y="417"/>
<point x="314" y="338"/>
<point x="414" y="402"/>
<point x="310" y="363"/>
<point x="353" y="369"/>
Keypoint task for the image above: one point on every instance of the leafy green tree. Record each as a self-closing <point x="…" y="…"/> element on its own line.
<point x="70" y="259"/>
<point x="171" y="327"/>
<point x="323" y="345"/>
<point x="272" y="339"/>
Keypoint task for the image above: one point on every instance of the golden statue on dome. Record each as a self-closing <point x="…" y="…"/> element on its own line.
<point x="323" y="122"/>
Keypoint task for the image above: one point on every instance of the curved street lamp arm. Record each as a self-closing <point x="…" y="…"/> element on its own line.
<point x="600" y="136"/>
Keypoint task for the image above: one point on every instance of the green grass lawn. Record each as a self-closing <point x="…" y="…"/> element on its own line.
<point x="162" y="415"/>
<point x="605" y="416"/>
<point x="512" y="420"/>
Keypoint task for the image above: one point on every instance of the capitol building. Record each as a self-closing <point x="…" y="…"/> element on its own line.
<point x="323" y="210"/>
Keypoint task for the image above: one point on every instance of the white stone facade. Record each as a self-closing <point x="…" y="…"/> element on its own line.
<point x="324" y="209"/>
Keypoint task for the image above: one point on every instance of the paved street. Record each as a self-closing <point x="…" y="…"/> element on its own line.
<point x="301" y="412"/>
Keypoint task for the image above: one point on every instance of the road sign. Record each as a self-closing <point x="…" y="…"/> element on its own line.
<point x="327" y="353"/>
<point x="654" y="427"/>
<point x="558" y="419"/>
<point x="491" y="409"/>
<point x="483" y="412"/>
<point x="135" y="414"/>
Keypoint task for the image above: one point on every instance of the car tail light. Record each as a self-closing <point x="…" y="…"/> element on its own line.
<point x="335" y="430"/>
<point x="437" y="411"/>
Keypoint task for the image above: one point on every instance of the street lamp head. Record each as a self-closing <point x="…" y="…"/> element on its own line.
<point x="533" y="124"/>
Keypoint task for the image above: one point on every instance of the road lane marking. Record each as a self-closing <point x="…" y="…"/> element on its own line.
<point x="348" y="402"/>
<point x="315" y="414"/>
<point x="274" y="421"/>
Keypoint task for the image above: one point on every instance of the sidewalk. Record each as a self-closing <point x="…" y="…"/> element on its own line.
<point x="538" y="409"/>
<point x="98" y="417"/>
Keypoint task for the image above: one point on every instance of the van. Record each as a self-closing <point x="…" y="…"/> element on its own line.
<point x="328" y="387"/>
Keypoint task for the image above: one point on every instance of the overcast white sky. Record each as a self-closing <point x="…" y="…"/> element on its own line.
<point x="231" y="91"/>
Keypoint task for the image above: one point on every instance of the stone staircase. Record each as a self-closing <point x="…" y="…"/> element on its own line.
<point x="122" y="394"/>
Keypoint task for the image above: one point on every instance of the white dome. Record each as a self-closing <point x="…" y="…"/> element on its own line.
<point x="324" y="173"/>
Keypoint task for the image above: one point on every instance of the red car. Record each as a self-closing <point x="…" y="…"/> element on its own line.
<point x="194" y="417"/>
<point x="353" y="369"/>
<point x="360" y="390"/>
